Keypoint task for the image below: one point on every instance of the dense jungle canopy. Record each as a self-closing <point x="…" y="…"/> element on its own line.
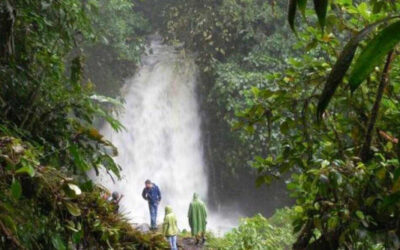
<point x="299" y="92"/>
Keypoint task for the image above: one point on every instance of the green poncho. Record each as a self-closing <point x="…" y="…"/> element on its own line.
<point x="197" y="216"/>
<point x="170" y="227"/>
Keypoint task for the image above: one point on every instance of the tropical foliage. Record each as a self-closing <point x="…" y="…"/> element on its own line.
<point x="345" y="153"/>
<point x="48" y="139"/>
<point x="258" y="233"/>
<point x="309" y="90"/>
<point x="114" y="48"/>
<point x="42" y="208"/>
<point x="327" y="113"/>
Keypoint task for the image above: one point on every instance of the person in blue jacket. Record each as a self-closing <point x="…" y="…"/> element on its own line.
<point x="152" y="194"/>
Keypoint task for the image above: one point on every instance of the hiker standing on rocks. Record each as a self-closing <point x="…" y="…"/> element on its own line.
<point x="170" y="227"/>
<point x="115" y="199"/>
<point x="197" y="218"/>
<point x="152" y="194"/>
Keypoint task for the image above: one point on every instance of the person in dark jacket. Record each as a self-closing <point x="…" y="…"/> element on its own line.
<point x="115" y="198"/>
<point x="152" y="194"/>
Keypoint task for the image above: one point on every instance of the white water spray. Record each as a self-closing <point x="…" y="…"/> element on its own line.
<point x="162" y="141"/>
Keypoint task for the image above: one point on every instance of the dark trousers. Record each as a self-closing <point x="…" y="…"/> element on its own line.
<point x="153" y="214"/>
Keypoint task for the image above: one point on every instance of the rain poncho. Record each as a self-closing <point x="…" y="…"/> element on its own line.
<point x="170" y="227"/>
<point x="197" y="216"/>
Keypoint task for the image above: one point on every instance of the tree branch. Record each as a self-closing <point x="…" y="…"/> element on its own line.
<point x="10" y="236"/>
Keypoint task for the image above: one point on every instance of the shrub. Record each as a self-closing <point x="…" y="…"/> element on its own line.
<point x="258" y="233"/>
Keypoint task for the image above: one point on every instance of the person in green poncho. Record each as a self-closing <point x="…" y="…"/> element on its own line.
<point x="170" y="227"/>
<point x="197" y="218"/>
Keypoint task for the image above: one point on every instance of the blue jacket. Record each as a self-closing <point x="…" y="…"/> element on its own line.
<point x="152" y="195"/>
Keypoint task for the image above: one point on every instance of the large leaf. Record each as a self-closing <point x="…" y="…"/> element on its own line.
<point x="16" y="189"/>
<point x="26" y="169"/>
<point x="73" y="209"/>
<point x="78" y="158"/>
<point x="374" y="53"/>
<point x="292" y="13"/>
<point x="321" y="8"/>
<point x="77" y="236"/>
<point x="342" y="65"/>
<point x="109" y="164"/>
<point x="58" y="243"/>
<point x="94" y="134"/>
<point x="75" y="188"/>
<point x="105" y="99"/>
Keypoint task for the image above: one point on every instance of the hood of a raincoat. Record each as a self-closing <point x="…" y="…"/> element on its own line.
<point x="197" y="216"/>
<point x="168" y="210"/>
<point x="170" y="227"/>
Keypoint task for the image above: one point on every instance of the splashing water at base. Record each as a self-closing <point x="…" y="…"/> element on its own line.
<point x="162" y="141"/>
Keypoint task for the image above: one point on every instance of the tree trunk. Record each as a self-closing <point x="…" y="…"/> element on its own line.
<point x="7" y="19"/>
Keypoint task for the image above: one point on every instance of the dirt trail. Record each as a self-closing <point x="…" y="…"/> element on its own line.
<point x="186" y="243"/>
<point x="189" y="244"/>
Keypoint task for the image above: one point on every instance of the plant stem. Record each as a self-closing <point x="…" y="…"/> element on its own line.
<point x="365" y="153"/>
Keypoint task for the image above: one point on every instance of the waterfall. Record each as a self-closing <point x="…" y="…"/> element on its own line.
<point x="162" y="140"/>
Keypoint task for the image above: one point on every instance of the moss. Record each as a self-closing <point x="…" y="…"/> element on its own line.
<point x="56" y="211"/>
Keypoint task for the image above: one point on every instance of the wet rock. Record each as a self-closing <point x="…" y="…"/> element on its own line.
<point x="144" y="228"/>
<point x="189" y="244"/>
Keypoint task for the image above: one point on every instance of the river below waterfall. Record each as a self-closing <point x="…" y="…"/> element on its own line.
<point x="162" y="140"/>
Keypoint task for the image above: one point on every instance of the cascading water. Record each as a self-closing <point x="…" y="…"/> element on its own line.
<point x="162" y="141"/>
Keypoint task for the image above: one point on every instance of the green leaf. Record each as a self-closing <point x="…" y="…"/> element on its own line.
<point x="255" y="91"/>
<point x="77" y="236"/>
<point x="333" y="222"/>
<point x="299" y="209"/>
<point x="109" y="164"/>
<point x="342" y="65"/>
<point x="284" y="127"/>
<point x="16" y="189"/>
<point x="377" y="7"/>
<point x="291" y="186"/>
<point x="73" y="209"/>
<point x="292" y="13"/>
<point x="94" y="134"/>
<point x="75" y="188"/>
<point x="8" y="222"/>
<point x="321" y="8"/>
<point x="374" y="53"/>
<point x="263" y="180"/>
<point x="396" y="174"/>
<point x="78" y="159"/>
<point x="237" y="125"/>
<point x="107" y="100"/>
<point x="370" y="200"/>
<point x="58" y="243"/>
<point x="391" y="200"/>
<point x="363" y="10"/>
<point x="26" y="169"/>
<point x="396" y="186"/>
<point x="360" y="214"/>
<point x="381" y="173"/>
<point x="393" y="3"/>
